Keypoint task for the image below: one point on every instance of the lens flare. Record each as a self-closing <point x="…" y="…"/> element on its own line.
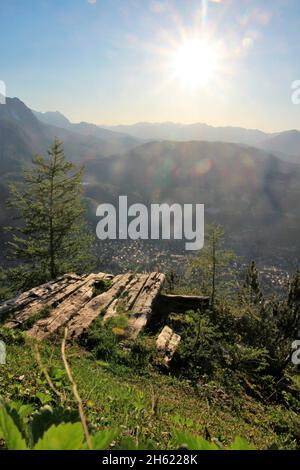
<point x="195" y="63"/>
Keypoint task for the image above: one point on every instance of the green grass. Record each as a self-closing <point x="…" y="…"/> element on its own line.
<point x="143" y="405"/>
<point x="101" y="286"/>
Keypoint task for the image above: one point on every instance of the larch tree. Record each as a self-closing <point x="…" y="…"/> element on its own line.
<point x="211" y="269"/>
<point x="51" y="236"/>
<point x="251" y="288"/>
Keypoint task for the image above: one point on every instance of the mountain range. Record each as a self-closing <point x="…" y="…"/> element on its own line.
<point x="235" y="172"/>
<point x="285" y="145"/>
<point x="252" y="194"/>
<point x="22" y="135"/>
<point x="115" y="141"/>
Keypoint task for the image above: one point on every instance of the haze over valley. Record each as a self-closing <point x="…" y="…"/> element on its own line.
<point x="246" y="181"/>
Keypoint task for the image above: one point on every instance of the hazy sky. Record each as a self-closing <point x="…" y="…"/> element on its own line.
<point x="123" y="61"/>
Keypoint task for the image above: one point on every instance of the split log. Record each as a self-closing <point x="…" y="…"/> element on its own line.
<point x="53" y="296"/>
<point x="125" y="302"/>
<point x="74" y="303"/>
<point x="181" y="303"/>
<point x="97" y="306"/>
<point x="167" y="343"/>
<point x="67" y="308"/>
<point x="21" y="300"/>
<point x="142" y="308"/>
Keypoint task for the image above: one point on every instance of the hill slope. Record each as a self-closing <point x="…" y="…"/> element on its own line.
<point x="252" y="194"/>
<point x="23" y="136"/>
<point x="187" y="132"/>
<point x="117" y="141"/>
<point x="143" y="405"/>
<point x="286" y="144"/>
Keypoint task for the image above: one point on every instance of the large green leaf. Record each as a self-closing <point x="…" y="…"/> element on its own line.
<point x="43" y="419"/>
<point x="43" y="397"/>
<point x="191" y="442"/>
<point x="131" y="444"/>
<point x="102" y="439"/>
<point x="10" y="432"/>
<point x="66" y="436"/>
<point x="240" y="443"/>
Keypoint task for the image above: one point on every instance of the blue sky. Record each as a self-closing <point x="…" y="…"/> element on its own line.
<point x="111" y="61"/>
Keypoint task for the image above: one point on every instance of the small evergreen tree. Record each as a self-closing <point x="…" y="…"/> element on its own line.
<point x="172" y="281"/>
<point x="212" y="268"/>
<point x="293" y="304"/>
<point x="52" y="236"/>
<point x="273" y="325"/>
<point x="294" y="292"/>
<point x="251" y="289"/>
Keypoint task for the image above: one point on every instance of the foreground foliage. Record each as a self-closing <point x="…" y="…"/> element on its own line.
<point x="49" y="429"/>
<point x="137" y="408"/>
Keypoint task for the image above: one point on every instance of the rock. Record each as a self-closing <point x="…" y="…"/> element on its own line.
<point x="167" y="343"/>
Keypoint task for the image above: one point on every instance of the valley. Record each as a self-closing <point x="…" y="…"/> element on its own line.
<point x="250" y="192"/>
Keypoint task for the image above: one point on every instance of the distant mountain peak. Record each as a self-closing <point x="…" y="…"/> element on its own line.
<point x="53" y="118"/>
<point x="188" y="132"/>
<point x="16" y="110"/>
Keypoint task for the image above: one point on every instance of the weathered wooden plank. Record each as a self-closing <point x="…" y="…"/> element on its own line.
<point x="125" y="302"/>
<point x="181" y="303"/>
<point x="172" y="347"/>
<point x="163" y="338"/>
<point x="143" y="306"/>
<point x="52" y="298"/>
<point x="97" y="306"/>
<point x="21" y="300"/>
<point x="167" y="343"/>
<point x="73" y="303"/>
<point x="67" y="308"/>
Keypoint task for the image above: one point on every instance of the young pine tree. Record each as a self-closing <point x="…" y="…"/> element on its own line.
<point x="293" y="304"/>
<point x="52" y="236"/>
<point x="286" y="320"/>
<point x="212" y="268"/>
<point x="251" y="291"/>
<point x="172" y="281"/>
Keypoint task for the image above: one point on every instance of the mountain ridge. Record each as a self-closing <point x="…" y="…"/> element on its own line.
<point x="283" y="144"/>
<point x="23" y="135"/>
<point x="241" y="186"/>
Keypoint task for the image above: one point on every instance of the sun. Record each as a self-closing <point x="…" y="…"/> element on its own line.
<point x="195" y="63"/>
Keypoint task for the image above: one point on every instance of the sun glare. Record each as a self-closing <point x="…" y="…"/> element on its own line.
<point x="195" y="63"/>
